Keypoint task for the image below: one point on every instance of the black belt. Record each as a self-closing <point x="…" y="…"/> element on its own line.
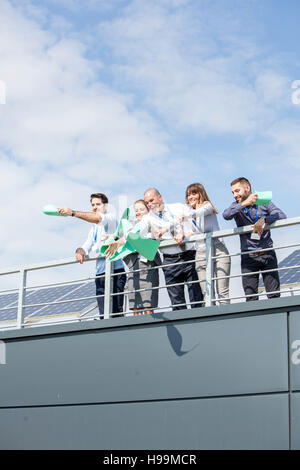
<point x="178" y="255"/>
<point x="258" y="253"/>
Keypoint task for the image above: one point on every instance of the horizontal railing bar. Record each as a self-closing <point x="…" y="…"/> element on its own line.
<point x="131" y="312"/>
<point x="7" y="291"/>
<point x="9" y="308"/>
<point x="231" y="255"/>
<point x="57" y="284"/>
<point x="80" y="299"/>
<point x="147" y="289"/>
<point x="256" y="272"/>
<point x="259" y="294"/>
<point x="165" y="243"/>
<point x="164" y="286"/>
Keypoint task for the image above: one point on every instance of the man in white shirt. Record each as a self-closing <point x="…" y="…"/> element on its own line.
<point x="164" y="221"/>
<point x="104" y="223"/>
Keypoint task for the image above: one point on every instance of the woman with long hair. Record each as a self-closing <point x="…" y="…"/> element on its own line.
<point x="204" y="219"/>
<point x="143" y="274"/>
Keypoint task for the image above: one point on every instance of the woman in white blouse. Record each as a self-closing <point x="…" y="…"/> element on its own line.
<point x="204" y="219"/>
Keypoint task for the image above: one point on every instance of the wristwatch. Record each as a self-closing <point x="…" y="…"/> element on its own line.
<point x="73" y="213"/>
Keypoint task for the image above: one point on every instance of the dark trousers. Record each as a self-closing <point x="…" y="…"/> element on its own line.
<point x="118" y="286"/>
<point x="250" y="263"/>
<point x="182" y="273"/>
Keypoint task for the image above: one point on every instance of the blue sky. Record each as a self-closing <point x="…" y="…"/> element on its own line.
<point x="116" y="96"/>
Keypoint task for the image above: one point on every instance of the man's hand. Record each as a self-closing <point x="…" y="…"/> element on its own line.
<point x="113" y="247"/>
<point x="65" y="211"/>
<point x="80" y="255"/>
<point x="158" y="233"/>
<point x="179" y="238"/>
<point x="251" y="199"/>
<point x="259" y="226"/>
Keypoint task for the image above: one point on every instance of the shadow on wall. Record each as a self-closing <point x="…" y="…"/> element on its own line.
<point x="175" y="338"/>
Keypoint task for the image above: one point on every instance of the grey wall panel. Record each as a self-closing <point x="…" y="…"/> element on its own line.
<point x="295" y="421"/>
<point x="249" y="422"/>
<point x="294" y="337"/>
<point x="220" y="356"/>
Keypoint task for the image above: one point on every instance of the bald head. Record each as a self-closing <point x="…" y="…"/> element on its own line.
<point x="153" y="199"/>
<point x="152" y="191"/>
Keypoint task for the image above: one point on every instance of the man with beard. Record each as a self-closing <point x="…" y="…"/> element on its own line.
<point x="245" y="211"/>
<point x="104" y="223"/>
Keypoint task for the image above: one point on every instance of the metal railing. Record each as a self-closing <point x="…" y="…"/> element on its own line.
<point x="210" y="298"/>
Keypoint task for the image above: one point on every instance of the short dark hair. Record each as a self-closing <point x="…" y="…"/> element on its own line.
<point x="241" y="179"/>
<point x="101" y="196"/>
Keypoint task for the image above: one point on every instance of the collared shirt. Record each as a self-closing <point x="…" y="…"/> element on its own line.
<point x="97" y="236"/>
<point x="267" y="211"/>
<point x="204" y="220"/>
<point x="169" y="219"/>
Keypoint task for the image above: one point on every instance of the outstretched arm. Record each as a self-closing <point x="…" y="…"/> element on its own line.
<point x="92" y="217"/>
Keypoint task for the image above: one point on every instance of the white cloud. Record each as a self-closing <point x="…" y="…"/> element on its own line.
<point x="286" y="136"/>
<point x="175" y="67"/>
<point x="57" y="110"/>
<point x="195" y="79"/>
<point x="63" y="133"/>
<point x="273" y="88"/>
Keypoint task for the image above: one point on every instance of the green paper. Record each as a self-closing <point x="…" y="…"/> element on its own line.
<point x="120" y="253"/>
<point x="134" y="242"/>
<point x="125" y="216"/>
<point x="147" y="247"/>
<point x="50" y="209"/>
<point x="264" y="197"/>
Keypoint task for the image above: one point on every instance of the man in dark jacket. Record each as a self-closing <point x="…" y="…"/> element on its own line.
<point x="245" y="211"/>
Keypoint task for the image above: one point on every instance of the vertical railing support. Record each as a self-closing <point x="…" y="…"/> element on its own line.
<point x="209" y="290"/>
<point x="109" y="269"/>
<point x="21" y="298"/>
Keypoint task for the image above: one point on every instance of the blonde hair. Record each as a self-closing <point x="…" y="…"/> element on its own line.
<point x="198" y="188"/>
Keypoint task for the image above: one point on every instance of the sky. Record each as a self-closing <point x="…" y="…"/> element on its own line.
<point x="117" y="96"/>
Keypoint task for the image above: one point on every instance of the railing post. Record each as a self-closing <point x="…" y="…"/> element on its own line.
<point x="21" y="298"/>
<point x="109" y="269"/>
<point x="209" y="290"/>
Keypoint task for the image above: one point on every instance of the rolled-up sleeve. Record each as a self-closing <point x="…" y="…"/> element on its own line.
<point x="232" y="210"/>
<point x="109" y="221"/>
<point x="273" y="213"/>
<point x="87" y="246"/>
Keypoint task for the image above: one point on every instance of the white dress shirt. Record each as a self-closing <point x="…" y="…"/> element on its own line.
<point x="170" y="219"/>
<point x="97" y="236"/>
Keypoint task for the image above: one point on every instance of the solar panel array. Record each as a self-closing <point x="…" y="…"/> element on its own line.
<point x="289" y="276"/>
<point x="73" y="292"/>
<point x="46" y="295"/>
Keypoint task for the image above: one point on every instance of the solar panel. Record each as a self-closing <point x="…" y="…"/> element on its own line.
<point x="289" y="276"/>
<point x="76" y="306"/>
<point x="46" y="295"/>
<point x="8" y="299"/>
